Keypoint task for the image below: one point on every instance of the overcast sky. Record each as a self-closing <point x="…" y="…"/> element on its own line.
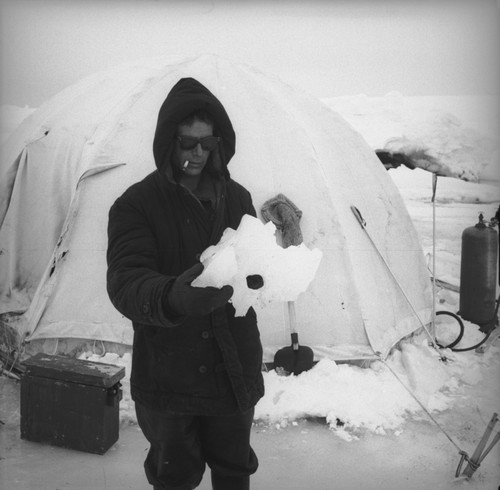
<point x="328" y="47"/>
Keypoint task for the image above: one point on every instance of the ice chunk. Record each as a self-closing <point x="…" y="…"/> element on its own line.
<point x="250" y="250"/>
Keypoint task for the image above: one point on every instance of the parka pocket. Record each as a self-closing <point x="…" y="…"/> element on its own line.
<point x="246" y="336"/>
<point x="187" y="370"/>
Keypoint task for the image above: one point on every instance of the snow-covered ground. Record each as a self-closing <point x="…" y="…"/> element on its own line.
<point x="413" y="390"/>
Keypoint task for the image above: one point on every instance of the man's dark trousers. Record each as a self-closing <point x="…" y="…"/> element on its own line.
<point x="182" y="444"/>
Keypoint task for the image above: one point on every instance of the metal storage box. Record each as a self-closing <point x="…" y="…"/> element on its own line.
<point x="70" y="402"/>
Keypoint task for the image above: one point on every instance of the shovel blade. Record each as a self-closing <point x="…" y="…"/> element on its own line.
<point x="294" y="361"/>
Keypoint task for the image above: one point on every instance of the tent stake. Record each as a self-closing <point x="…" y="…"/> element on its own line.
<point x="478" y="456"/>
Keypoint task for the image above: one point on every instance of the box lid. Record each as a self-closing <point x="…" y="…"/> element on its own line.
<point x="74" y="370"/>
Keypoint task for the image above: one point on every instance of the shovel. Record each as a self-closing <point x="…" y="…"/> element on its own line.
<point x="285" y="215"/>
<point x="295" y="358"/>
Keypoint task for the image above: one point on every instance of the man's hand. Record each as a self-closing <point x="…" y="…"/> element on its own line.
<point x="187" y="300"/>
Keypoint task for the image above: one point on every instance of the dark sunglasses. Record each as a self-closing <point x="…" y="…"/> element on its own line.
<point x="208" y="143"/>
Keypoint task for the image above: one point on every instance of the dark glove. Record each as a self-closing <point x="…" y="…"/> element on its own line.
<point x="184" y="299"/>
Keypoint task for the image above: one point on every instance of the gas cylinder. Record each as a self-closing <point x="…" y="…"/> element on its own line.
<point x="478" y="273"/>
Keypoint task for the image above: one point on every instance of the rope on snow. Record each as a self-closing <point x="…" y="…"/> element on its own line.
<point x="478" y="456"/>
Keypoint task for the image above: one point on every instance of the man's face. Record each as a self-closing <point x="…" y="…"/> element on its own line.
<point x="196" y="157"/>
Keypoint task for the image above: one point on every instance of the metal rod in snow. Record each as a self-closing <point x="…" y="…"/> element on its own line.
<point x="362" y="222"/>
<point x="477" y="457"/>
<point x="434" y="186"/>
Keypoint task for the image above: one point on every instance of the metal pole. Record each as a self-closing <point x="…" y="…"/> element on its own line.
<point x="476" y="459"/>
<point x="362" y="222"/>
<point x="433" y="321"/>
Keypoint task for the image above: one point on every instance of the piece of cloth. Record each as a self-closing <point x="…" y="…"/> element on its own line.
<point x="182" y="364"/>
<point x="286" y="217"/>
<point x="180" y="446"/>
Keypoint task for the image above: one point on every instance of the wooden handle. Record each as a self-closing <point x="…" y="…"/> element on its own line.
<point x="291" y="317"/>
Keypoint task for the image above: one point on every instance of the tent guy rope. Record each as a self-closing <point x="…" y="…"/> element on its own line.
<point x="478" y="456"/>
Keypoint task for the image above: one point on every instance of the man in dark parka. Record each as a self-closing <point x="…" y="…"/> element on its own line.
<point x="196" y="368"/>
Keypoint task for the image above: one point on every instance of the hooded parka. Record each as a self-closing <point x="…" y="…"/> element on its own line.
<point x="157" y="230"/>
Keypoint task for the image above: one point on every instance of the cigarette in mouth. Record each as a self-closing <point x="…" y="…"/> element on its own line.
<point x="186" y="163"/>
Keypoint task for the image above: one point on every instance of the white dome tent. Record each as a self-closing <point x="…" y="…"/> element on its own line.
<point x="67" y="163"/>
